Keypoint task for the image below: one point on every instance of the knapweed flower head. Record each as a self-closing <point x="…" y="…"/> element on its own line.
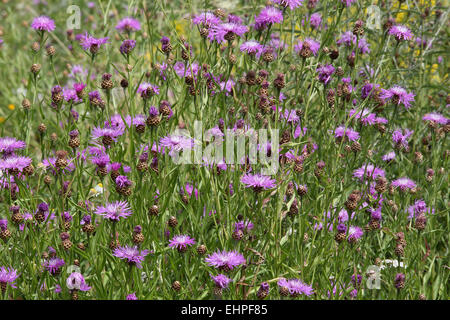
<point x="242" y="225"/>
<point x="368" y="171"/>
<point x="308" y="44"/>
<point x="418" y="208"/>
<point x="128" y="24"/>
<point x="325" y="72"/>
<point x="221" y="281"/>
<point x="252" y="47"/>
<point x="206" y="18"/>
<point x="400" y="32"/>
<point x="132" y="296"/>
<point x="295" y="287"/>
<point x="147" y="90"/>
<point x="111" y="134"/>
<point x="400" y="138"/>
<point x="258" y="181"/>
<point x="114" y="211"/>
<point x="354" y="233"/>
<point x="127" y="46"/>
<point x="95" y="98"/>
<point x="70" y="95"/>
<point x="404" y="183"/>
<point x="76" y="281"/>
<point x="123" y="181"/>
<point x="292" y="4"/>
<point x="347" y="3"/>
<point x="225" y="260"/>
<point x="132" y="255"/>
<point x="92" y="44"/>
<point x="269" y="15"/>
<point x="398" y="96"/>
<point x="8" y="276"/>
<point x="388" y="156"/>
<point x="315" y="20"/>
<point x="181" y="242"/>
<point x="15" y="163"/>
<point x="435" y="117"/>
<point x="343" y="132"/>
<point x="176" y="143"/>
<point x="9" y="145"/>
<point x="43" y="23"/>
<point x="54" y="265"/>
<point x="226" y="31"/>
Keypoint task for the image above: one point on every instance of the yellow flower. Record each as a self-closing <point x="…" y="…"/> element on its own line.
<point x="181" y="26"/>
<point x="11" y="107"/>
<point x="2" y="119"/>
<point x="402" y="15"/>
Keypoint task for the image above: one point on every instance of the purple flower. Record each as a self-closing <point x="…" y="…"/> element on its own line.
<point x="181" y="242"/>
<point x="131" y="255"/>
<point x="70" y="95"/>
<point x="400" y="139"/>
<point x="418" y="208"/>
<point x="127" y="46"/>
<point x="15" y="163"/>
<point x="342" y="132"/>
<point x="315" y="20"/>
<point x="347" y="38"/>
<point x="347" y="3"/>
<point x="434" y="117"/>
<point x="221" y="280"/>
<point x="269" y="15"/>
<point x="8" y="276"/>
<point x="354" y="233"/>
<point x="399" y="281"/>
<point x="325" y="73"/>
<point x="206" y="18"/>
<point x="258" y="181"/>
<point x="389" y="156"/>
<point x="243" y="225"/>
<point x="43" y="23"/>
<point x="75" y="281"/>
<point x="128" y="24"/>
<point x="296" y="287"/>
<point x="290" y="116"/>
<point x="147" y="90"/>
<point x="79" y="87"/>
<point x="108" y="133"/>
<point x="182" y="71"/>
<point x="88" y="42"/>
<point x="292" y="4"/>
<point x="364" y="116"/>
<point x="223" y="31"/>
<point x="400" y="32"/>
<point x="132" y="296"/>
<point x="363" y="46"/>
<point x="252" y="47"/>
<point x="123" y="181"/>
<point x="235" y="19"/>
<point x="95" y="98"/>
<point x="398" y="96"/>
<point x="225" y="260"/>
<point x="309" y="43"/>
<point x="176" y="143"/>
<point x="54" y="265"/>
<point x="9" y="145"/>
<point x="114" y="211"/>
<point x="370" y="171"/>
<point x="404" y="183"/>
